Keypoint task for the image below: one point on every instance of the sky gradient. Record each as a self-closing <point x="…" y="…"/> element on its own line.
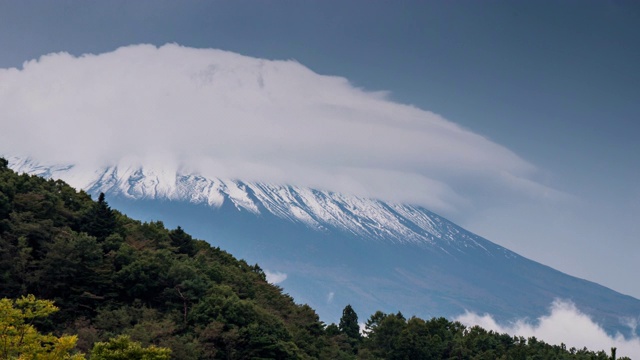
<point x="555" y="83"/>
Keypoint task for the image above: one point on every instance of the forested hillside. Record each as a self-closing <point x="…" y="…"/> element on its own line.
<point x="111" y="275"/>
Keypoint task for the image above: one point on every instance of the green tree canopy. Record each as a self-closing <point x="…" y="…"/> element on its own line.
<point x="123" y="348"/>
<point x="349" y="323"/>
<point x="19" y="339"/>
<point x="112" y="275"/>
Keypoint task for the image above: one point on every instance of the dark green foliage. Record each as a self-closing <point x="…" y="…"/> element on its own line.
<point x="393" y="337"/>
<point x="100" y="220"/>
<point x="182" y="241"/>
<point x="349" y="323"/>
<point x="111" y="275"/>
<point x="350" y="328"/>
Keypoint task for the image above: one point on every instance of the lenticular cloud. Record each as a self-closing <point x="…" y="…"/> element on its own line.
<point x="222" y="114"/>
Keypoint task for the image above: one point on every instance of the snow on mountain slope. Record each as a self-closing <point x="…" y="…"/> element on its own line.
<point x="320" y="210"/>
<point x="337" y="249"/>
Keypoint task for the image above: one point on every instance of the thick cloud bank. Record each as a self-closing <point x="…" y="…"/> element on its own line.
<point x="565" y="324"/>
<point x="225" y="115"/>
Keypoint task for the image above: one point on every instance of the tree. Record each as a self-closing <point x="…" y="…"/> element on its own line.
<point x="349" y="323"/>
<point x="123" y="348"/>
<point x="101" y="220"/>
<point x="373" y="322"/>
<point x="182" y="241"/>
<point x="19" y="339"/>
<point x="383" y="337"/>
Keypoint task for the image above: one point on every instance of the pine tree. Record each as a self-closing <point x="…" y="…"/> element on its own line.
<point x="349" y="323"/>
<point x="100" y="221"/>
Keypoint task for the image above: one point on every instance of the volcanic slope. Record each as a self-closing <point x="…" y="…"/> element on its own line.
<point x="329" y="249"/>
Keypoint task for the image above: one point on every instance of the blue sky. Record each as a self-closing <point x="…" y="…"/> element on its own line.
<point x="557" y="83"/>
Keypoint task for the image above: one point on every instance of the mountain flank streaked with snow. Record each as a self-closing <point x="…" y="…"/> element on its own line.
<point x="331" y="249"/>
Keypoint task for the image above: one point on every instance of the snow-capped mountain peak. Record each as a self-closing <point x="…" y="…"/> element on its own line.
<point x="371" y="253"/>
<point x="317" y="209"/>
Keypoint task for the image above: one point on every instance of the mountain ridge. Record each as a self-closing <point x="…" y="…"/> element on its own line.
<point x="442" y="269"/>
<point x="317" y="209"/>
<point x="113" y="276"/>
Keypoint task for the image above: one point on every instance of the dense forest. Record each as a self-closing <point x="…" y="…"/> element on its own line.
<point x="116" y="282"/>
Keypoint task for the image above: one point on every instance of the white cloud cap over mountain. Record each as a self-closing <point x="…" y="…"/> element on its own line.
<point x="220" y="114"/>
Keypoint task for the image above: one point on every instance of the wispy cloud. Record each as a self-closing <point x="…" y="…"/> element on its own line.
<point x="226" y="115"/>
<point x="564" y="324"/>
<point x="330" y="297"/>
<point x="275" y="277"/>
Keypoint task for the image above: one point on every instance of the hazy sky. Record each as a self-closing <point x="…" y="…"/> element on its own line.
<point x="537" y="102"/>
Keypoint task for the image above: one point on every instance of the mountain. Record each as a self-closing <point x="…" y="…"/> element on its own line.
<point x="330" y="249"/>
<point x="131" y="289"/>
